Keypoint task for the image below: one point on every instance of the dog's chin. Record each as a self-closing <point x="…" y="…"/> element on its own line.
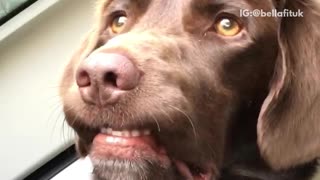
<point x="137" y="158"/>
<point x="134" y="158"/>
<point x="132" y="170"/>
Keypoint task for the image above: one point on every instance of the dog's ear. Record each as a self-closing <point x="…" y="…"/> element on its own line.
<point x="289" y="122"/>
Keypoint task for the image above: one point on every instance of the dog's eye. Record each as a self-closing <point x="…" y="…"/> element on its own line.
<point x="118" y="24"/>
<point x="227" y="26"/>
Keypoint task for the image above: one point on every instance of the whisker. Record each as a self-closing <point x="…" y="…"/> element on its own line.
<point x="168" y="115"/>
<point x="188" y="117"/>
<point x="50" y="117"/>
<point x="213" y="155"/>
<point x="57" y="120"/>
<point x="63" y="129"/>
<point x="66" y="123"/>
<point x="140" y="120"/>
<point x="156" y="121"/>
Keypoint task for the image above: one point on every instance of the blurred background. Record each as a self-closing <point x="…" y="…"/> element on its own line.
<point x="35" y="44"/>
<point x="6" y="6"/>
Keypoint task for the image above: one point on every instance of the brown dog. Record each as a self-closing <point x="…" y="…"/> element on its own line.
<point x="189" y="89"/>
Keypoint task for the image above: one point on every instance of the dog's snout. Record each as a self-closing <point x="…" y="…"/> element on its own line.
<point x="102" y="77"/>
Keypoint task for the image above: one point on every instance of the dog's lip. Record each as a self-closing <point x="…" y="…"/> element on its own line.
<point x="134" y="139"/>
<point x="126" y="138"/>
<point x="143" y="140"/>
<point x="124" y="146"/>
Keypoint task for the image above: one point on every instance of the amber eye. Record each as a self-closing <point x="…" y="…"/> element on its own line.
<point x="118" y="24"/>
<point x="227" y="26"/>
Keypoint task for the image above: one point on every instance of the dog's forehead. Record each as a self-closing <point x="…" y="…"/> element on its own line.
<point x="176" y="6"/>
<point x="175" y="16"/>
<point x="160" y="14"/>
<point x="155" y="5"/>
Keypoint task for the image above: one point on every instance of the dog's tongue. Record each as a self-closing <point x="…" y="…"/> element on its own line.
<point x="126" y="147"/>
<point x="185" y="171"/>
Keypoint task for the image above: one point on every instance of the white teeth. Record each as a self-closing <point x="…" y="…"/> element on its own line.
<point x="126" y="133"/>
<point x="109" y="131"/>
<point x="116" y="133"/>
<point x="106" y="130"/>
<point x="146" y="132"/>
<point x="135" y="133"/>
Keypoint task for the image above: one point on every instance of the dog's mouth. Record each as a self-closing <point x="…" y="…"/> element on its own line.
<point x="142" y="145"/>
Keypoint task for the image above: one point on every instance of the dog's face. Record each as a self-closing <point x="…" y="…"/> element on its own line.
<point x="156" y="86"/>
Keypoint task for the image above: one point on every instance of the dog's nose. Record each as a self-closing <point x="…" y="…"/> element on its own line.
<point x="103" y="77"/>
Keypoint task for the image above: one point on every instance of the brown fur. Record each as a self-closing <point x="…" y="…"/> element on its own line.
<point x="288" y="126"/>
<point x="203" y="93"/>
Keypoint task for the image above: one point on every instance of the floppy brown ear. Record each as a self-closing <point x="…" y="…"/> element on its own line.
<point x="289" y="121"/>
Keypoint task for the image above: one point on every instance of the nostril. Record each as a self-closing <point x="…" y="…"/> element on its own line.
<point x="83" y="78"/>
<point x="110" y="78"/>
